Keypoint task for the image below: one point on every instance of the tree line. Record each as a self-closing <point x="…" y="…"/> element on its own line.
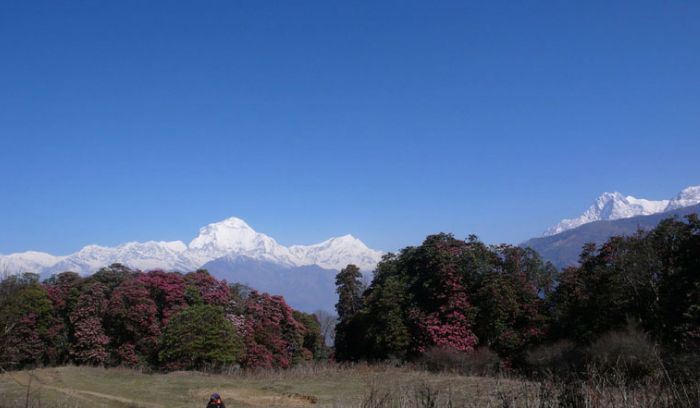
<point x="157" y="319"/>
<point x="466" y="296"/>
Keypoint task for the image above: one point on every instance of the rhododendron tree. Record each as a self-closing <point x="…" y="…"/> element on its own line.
<point x="63" y="290"/>
<point x="273" y="337"/>
<point x="132" y="322"/>
<point x="167" y="289"/>
<point x="442" y="314"/>
<point x="89" y="341"/>
<point x="119" y="316"/>
<point x="207" y="289"/>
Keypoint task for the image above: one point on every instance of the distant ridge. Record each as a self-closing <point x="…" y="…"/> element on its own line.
<point x="563" y="249"/>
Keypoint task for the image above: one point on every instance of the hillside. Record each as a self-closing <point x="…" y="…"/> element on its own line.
<point x="308" y="288"/>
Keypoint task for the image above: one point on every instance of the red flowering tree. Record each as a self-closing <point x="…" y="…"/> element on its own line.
<point x="201" y="287"/>
<point x="452" y="294"/>
<point x="89" y="341"/>
<point x="63" y="291"/>
<point x="133" y="322"/>
<point x="443" y="314"/>
<point x="167" y="289"/>
<point x="273" y="338"/>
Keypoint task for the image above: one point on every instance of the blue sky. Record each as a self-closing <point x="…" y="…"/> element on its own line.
<point x="133" y="120"/>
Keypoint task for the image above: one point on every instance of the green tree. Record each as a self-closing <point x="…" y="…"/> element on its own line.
<point x="349" y="288"/>
<point x="384" y="320"/>
<point x="112" y="276"/>
<point x="649" y="279"/>
<point x="198" y="336"/>
<point x="313" y="340"/>
<point x="25" y="313"/>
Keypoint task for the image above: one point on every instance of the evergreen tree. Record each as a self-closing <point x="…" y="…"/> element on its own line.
<point x="349" y="288"/>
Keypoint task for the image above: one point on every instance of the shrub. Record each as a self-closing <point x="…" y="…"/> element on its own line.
<point x="628" y="356"/>
<point x="561" y="359"/>
<point x="481" y="361"/>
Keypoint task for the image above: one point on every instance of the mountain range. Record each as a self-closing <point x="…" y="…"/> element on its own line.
<point x="615" y="206"/>
<point x="231" y="250"/>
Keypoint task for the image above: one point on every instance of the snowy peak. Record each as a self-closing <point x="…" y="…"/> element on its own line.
<point x="230" y="233"/>
<point x="689" y="196"/>
<point x="615" y="206"/>
<point x="234" y="236"/>
<point x="337" y="253"/>
<point x="648" y="206"/>
<point x="27" y="261"/>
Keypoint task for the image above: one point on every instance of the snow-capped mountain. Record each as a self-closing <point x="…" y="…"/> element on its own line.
<point x="27" y="261"/>
<point x="235" y="237"/>
<point x="336" y="253"/>
<point x="230" y="238"/>
<point x="141" y="255"/>
<point x="615" y="206"/>
<point x="689" y="196"/>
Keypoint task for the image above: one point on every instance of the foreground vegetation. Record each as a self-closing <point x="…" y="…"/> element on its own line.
<point x="361" y="386"/>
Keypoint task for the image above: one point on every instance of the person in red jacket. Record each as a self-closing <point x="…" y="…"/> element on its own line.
<point x="215" y="401"/>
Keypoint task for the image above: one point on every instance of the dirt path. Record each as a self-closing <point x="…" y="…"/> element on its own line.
<point x="76" y="393"/>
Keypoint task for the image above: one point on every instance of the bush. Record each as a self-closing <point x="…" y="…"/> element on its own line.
<point x="200" y="336"/>
<point x="625" y="356"/>
<point x="561" y="360"/>
<point x="481" y="361"/>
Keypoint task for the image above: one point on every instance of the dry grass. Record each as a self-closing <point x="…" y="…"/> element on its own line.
<point x="361" y="386"/>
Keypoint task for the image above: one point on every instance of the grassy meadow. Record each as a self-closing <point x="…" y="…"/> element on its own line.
<point x="321" y="386"/>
